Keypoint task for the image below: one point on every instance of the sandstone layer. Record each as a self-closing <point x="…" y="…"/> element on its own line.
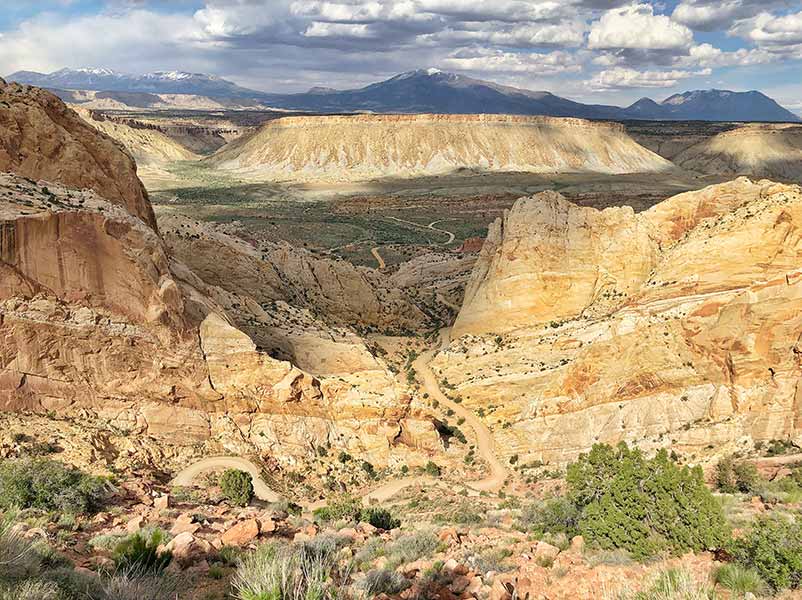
<point x="773" y="151"/>
<point x="679" y="325"/>
<point x="41" y="138"/>
<point x="98" y="319"/>
<point x="148" y="146"/>
<point x="346" y="148"/>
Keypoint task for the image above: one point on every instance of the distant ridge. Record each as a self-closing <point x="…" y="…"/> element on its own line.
<point x="427" y="91"/>
<point x="159" y="82"/>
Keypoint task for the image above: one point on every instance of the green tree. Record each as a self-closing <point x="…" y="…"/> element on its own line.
<point x="644" y="505"/>
<point x="773" y="548"/>
<point x="237" y="486"/>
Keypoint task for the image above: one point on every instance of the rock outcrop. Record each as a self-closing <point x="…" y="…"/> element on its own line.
<point x="148" y="146"/>
<point x="98" y="319"/>
<point x="676" y="325"/>
<point x="347" y="148"/>
<point x="42" y="139"/>
<point x="756" y="150"/>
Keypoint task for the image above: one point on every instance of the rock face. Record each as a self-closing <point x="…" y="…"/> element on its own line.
<point x="41" y="138"/>
<point x="679" y="324"/>
<point x="98" y="319"/>
<point x="773" y="151"/>
<point x="149" y="146"/>
<point x="374" y="146"/>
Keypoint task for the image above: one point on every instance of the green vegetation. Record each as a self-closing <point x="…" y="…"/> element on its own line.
<point x="432" y="469"/>
<point x="645" y="506"/>
<point x="619" y="499"/>
<point x="740" y="580"/>
<point x="675" y="584"/>
<point x="49" y="485"/>
<point x="555" y="515"/>
<point x="288" y="572"/>
<point x="237" y="487"/>
<point x="734" y="476"/>
<point x="347" y="508"/>
<point x="773" y="548"/>
<point x="139" y="553"/>
<point x="384" y="581"/>
<point x="32" y="571"/>
<point x="381" y="518"/>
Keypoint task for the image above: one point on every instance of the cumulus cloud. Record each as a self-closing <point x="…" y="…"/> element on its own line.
<point x="484" y="60"/>
<point x="769" y="30"/>
<point x="621" y="78"/>
<point x="288" y="45"/>
<point x="637" y="27"/>
<point x="709" y="15"/>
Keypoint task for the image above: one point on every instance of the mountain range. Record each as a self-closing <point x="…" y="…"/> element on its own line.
<point x="426" y="91"/>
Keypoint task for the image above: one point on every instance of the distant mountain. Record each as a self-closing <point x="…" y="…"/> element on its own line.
<point x="433" y="91"/>
<point x="712" y="105"/>
<point x="160" y="82"/>
<point x="426" y="91"/>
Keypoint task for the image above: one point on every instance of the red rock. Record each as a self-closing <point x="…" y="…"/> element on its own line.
<point x="242" y="533"/>
<point x="184" y="523"/>
<point x="135" y="524"/>
<point x="161" y="502"/>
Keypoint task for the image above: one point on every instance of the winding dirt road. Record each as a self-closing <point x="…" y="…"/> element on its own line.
<point x="485" y="447"/>
<point x="378" y="257"/>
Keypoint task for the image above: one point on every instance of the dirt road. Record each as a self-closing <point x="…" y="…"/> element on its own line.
<point x="378" y="257"/>
<point x="485" y="448"/>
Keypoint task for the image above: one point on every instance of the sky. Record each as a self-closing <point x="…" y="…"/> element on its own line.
<point x="603" y="51"/>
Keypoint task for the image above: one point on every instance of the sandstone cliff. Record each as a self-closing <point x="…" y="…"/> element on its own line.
<point x="342" y="148"/>
<point x="764" y="150"/>
<point x="149" y="147"/>
<point x="98" y="320"/>
<point x="41" y="138"/>
<point x="679" y="325"/>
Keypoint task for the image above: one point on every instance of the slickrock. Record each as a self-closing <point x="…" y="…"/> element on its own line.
<point x="41" y="138"/>
<point x="346" y="148"/>
<point x="758" y="150"/>
<point x="678" y="325"/>
<point x="148" y="146"/>
<point x="98" y="319"/>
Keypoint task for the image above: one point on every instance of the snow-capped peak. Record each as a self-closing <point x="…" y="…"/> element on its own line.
<point x="432" y="71"/>
<point x="87" y="71"/>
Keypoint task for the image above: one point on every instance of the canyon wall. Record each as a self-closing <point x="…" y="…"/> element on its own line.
<point x="677" y="326"/>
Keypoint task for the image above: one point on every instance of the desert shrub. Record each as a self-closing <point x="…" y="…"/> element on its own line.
<point x="139" y="553"/>
<point x="740" y="580"/>
<point x="381" y="518"/>
<point x="341" y="508"/>
<point x="384" y="581"/>
<point x="229" y="555"/>
<point x="432" y="469"/>
<point x="76" y="585"/>
<point x="732" y="476"/>
<point x="555" y="515"/>
<point x="773" y="548"/>
<point x="19" y="557"/>
<point x="133" y="585"/>
<point x="645" y="506"/>
<point x="237" y="486"/>
<point x="274" y="572"/>
<point x="675" y="584"/>
<point x="411" y="546"/>
<point x="30" y="589"/>
<point x="49" y="485"/>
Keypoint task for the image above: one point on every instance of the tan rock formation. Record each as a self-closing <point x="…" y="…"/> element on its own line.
<point x="95" y="317"/>
<point x="41" y="138"/>
<point x="148" y="146"/>
<point x="346" y="148"/>
<point x="678" y="325"/>
<point x="757" y="150"/>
